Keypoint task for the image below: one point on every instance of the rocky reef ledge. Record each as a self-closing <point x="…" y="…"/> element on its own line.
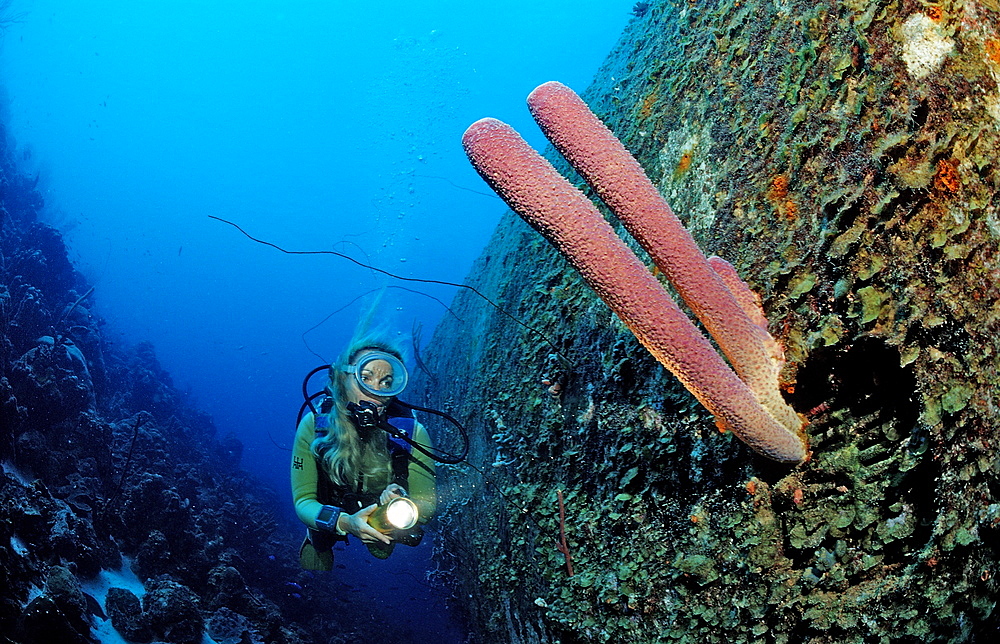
<point x="122" y="513"/>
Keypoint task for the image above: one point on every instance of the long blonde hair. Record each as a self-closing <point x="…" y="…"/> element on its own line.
<point x="345" y="457"/>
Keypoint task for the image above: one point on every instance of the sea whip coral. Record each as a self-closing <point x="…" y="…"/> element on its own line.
<point x="751" y="407"/>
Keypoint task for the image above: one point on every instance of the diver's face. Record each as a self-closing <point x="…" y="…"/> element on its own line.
<point x="376" y="374"/>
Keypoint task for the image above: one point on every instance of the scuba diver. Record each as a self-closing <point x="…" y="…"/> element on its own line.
<point x="360" y="463"/>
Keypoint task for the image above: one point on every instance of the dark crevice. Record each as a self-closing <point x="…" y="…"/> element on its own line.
<point x="920" y="114"/>
<point x="908" y="201"/>
<point x="894" y="154"/>
<point x="840" y="215"/>
<point x="948" y="337"/>
<point x="865" y="399"/>
<point x="865" y="378"/>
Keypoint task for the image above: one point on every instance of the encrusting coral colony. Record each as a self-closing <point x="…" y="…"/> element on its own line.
<point x="842" y="156"/>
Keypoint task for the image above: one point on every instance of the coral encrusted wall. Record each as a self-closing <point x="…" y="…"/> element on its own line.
<point x="843" y="156"/>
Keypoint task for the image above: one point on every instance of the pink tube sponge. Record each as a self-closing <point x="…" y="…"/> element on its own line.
<point x="620" y="182"/>
<point x="564" y="216"/>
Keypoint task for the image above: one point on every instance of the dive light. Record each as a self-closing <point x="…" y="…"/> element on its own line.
<point x="399" y="513"/>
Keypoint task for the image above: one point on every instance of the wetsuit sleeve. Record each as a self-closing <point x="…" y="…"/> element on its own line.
<point x="304" y="473"/>
<point x="422" y="489"/>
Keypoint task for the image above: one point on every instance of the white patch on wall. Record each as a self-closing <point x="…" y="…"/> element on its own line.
<point x="98" y="588"/>
<point x="689" y="182"/>
<point x="10" y="470"/>
<point x="993" y="107"/>
<point x="33" y="592"/>
<point x="925" y="46"/>
<point x="18" y="546"/>
<point x="105" y="580"/>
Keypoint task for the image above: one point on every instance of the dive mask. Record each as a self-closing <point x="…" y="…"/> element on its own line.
<point x="378" y="373"/>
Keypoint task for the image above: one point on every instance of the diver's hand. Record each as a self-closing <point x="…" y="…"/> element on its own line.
<point x="391" y="491"/>
<point x="357" y="524"/>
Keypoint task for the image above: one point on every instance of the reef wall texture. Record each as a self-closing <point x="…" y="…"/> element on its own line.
<point x="843" y="156"/>
<point x="105" y="465"/>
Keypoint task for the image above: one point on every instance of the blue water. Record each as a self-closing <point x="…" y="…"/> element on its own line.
<point x="314" y="125"/>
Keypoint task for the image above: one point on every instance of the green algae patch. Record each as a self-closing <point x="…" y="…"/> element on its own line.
<point x="872" y="300"/>
<point x="700" y="566"/>
<point x="846" y="241"/>
<point x="802" y="285"/>
<point x="833" y="330"/>
<point x="956" y="398"/>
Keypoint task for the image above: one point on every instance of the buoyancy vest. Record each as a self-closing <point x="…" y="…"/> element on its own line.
<point x="351" y="499"/>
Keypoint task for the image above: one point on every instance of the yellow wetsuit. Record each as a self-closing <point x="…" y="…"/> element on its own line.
<point x="305" y="475"/>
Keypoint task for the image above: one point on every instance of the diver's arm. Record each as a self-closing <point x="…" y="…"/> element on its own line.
<point x="421" y="475"/>
<point x="357" y="524"/>
<point x="304" y="474"/>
